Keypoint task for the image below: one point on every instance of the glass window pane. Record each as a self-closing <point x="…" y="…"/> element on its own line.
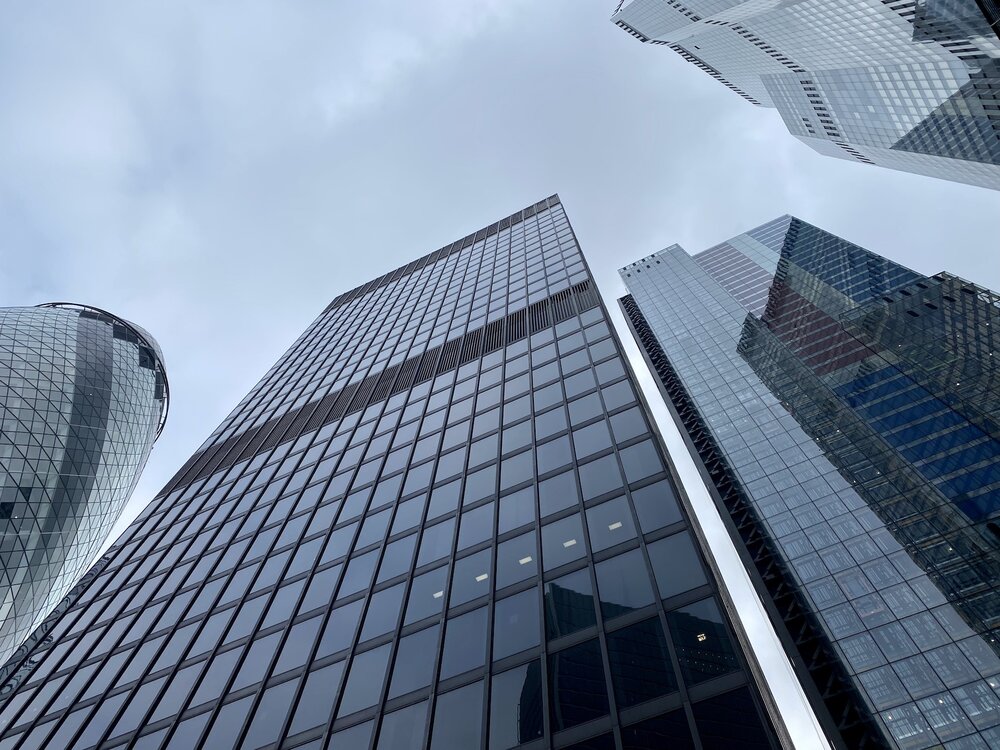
<point x="577" y="690"/>
<point x="364" y="680"/>
<point x="623" y="584"/>
<point x="403" y="729"/>
<point x="436" y="542"/>
<point x="640" y="461"/>
<point x="298" y="645"/>
<point x="516" y="706"/>
<point x="553" y="455"/>
<point x="676" y="565"/>
<point x="515" y="624"/>
<point x="600" y="476"/>
<point x="569" y="604"/>
<point x="609" y="524"/>
<point x="317" y="699"/>
<point x="669" y="730"/>
<point x="358" y="575"/>
<point x="656" y="505"/>
<point x="458" y="719"/>
<point x="476" y="526"/>
<point x="517" y="509"/>
<point x="426" y="595"/>
<point x="465" y="643"/>
<point x="269" y="716"/>
<point x="383" y="612"/>
<point x="357" y="736"/>
<point x="397" y="558"/>
<point x="702" y="641"/>
<point x="339" y="631"/>
<point x="591" y="439"/>
<point x="414" y="662"/>
<point x="557" y="493"/>
<point x="516" y="560"/>
<point x="562" y="542"/>
<point x="471" y="578"/>
<point x="640" y="663"/>
<point x="228" y="723"/>
<point x="730" y="720"/>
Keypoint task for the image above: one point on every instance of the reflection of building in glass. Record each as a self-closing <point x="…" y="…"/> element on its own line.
<point x="907" y="84"/>
<point x="82" y="398"/>
<point x="431" y="523"/>
<point x="847" y="410"/>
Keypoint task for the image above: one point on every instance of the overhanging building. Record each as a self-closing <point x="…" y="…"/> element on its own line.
<point x="845" y="411"/>
<point x="442" y="519"/>
<point x="907" y="84"/>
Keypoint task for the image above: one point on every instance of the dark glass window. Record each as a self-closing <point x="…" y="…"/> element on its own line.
<point x="480" y="485"/>
<point x="676" y="565"/>
<point x="516" y="706"/>
<point x="515" y="624"/>
<point x="516" y="560"/>
<point x="357" y="736"/>
<point x="402" y="728"/>
<point x="298" y="645"/>
<point x="702" y="641"/>
<point x="577" y="692"/>
<point x="557" y="493"/>
<point x="609" y="524"/>
<point x="317" y="699"/>
<point x="591" y="439"/>
<point x="414" y="662"/>
<point x="516" y="469"/>
<point x="358" y="575"/>
<point x="516" y="510"/>
<point x="585" y="408"/>
<point x="426" y="595"/>
<point x="383" y="612"/>
<point x="364" y="680"/>
<point x="465" y="643"/>
<point x="471" y="578"/>
<point x="476" y="526"/>
<point x="569" y="604"/>
<point x="436" y="542"/>
<point x="604" y="742"/>
<point x="600" y="476"/>
<point x="226" y="728"/>
<point x="339" y="631"/>
<point x="258" y="658"/>
<point x="623" y="584"/>
<point x="730" y="720"/>
<point x="269" y="715"/>
<point x="656" y="505"/>
<point x="667" y="731"/>
<point x="562" y="542"/>
<point x="458" y="723"/>
<point x="397" y="558"/>
<point x="640" y="663"/>
<point x="641" y="460"/>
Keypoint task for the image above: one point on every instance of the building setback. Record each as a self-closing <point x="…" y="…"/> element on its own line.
<point x="907" y="84"/>
<point x="83" y="396"/>
<point x="845" y="411"/>
<point x="442" y="519"/>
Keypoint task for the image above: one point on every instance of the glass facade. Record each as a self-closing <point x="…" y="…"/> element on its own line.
<point x="441" y="520"/>
<point x="906" y="84"/>
<point x="82" y="399"/>
<point x="846" y="409"/>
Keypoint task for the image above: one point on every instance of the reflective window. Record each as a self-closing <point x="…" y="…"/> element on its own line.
<point x="609" y="524"/>
<point x="577" y="692"/>
<point x="640" y="663"/>
<point x="562" y="542"/>
<point x="516" y="706"/>
<point x="364" y="680"/>
<point x="656" y="506"/>
<point x="702" y="641"/>
<point x="414" y="662"/>
<point x="515" y="624"/>
<point x="317" y="699"/>
<point x="465" y="643"/>
<point x="458" y="719"/>
<point x="623" y="584"/>
<point x="676" y="565"/>
<point x="400" y="729"/>
<point x="517" y="560"/>
<point x="569" y="604"/>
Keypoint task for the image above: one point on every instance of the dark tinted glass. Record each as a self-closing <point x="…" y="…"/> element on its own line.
<point x="516" y="706"/>
<point x="515" y="624"/>
<point x="465" y="642"/>
<point x="656" y="506"/>
<point x="676" y="565"/>
<point x="317" y="699"/>
<point x="458" y="719"/>
<point x="640" y="663"/>
<point x="403" y="729"/>
<point x="667" y="731"/>
<point x="730" y="720"/>
<point x="569" y="604"/>
<point x="623" y="584"/>
<point x="701" y="638"/>
<point x="414" y="661"/>
<point x="577" y="692"/>
<point x="364" y="680"/>
<point x="610" y="523"/>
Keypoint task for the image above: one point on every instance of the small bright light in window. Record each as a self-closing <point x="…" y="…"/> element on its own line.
<point x="702" y="637"/>
<point x="569" y="542"/>
<point x="525" y="560"/>
<point x="615" y="525"/>
<point x="482" y="577"/>
<point x="438" y="594"/>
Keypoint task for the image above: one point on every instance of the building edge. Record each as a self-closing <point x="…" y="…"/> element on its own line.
<point x="840" y="709"/>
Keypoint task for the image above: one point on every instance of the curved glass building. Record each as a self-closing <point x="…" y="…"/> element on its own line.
<point x="83" y="397"/>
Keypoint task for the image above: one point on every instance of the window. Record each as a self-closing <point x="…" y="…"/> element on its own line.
<point x="577" y="691"/>
<point x="515" y="624"/>
<point x="516" y="706"/>
<point x="401" y="728"/>
<point x="701" y="637"/>
<point x="600" y="477"/>
<point x="458" y="719"/>
<point x="569" y="604"/>
<point x="640" y="663"/>
<point x="464" y="643"/>
<point x="383" y="612"/>
<point x="562" y="542"/>
<point x="318" y="695"/>
<point x="426" y="595"/>
<point x="364" y="680"/>
<point x="557" y="493"/>
<point x="414" y="662"/>
<point x="623" y="584"/>
<point x="609" y="524"/>
<point x="517" y="560"/>
<point x="656" y="506"/>
<point x="472" y="578"/>
<point x="676" y="565"/>
<point x="517" y="509"/>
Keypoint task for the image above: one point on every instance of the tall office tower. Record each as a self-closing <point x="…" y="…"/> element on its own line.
<point x="845" y="412"/>
<point x="83" y="396"/>
<point x="440" y="520"/>
<point x="906" y="84"/>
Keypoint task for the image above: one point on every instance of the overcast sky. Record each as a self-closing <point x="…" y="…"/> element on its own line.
<point x="217" y="172"/>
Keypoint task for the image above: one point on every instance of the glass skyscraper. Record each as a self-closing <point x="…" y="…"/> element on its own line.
<point x="83" y="396"/>
<point x="907" y="84"/>
<point x="442" y="519"/>
<point x="845" y="412"/>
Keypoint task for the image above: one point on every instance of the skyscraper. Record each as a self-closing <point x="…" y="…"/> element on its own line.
<point x="441" y="520"/>
<point x="845" y="411"/>
<point x="906" y="84"/>
<point x="83" y="396"/>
